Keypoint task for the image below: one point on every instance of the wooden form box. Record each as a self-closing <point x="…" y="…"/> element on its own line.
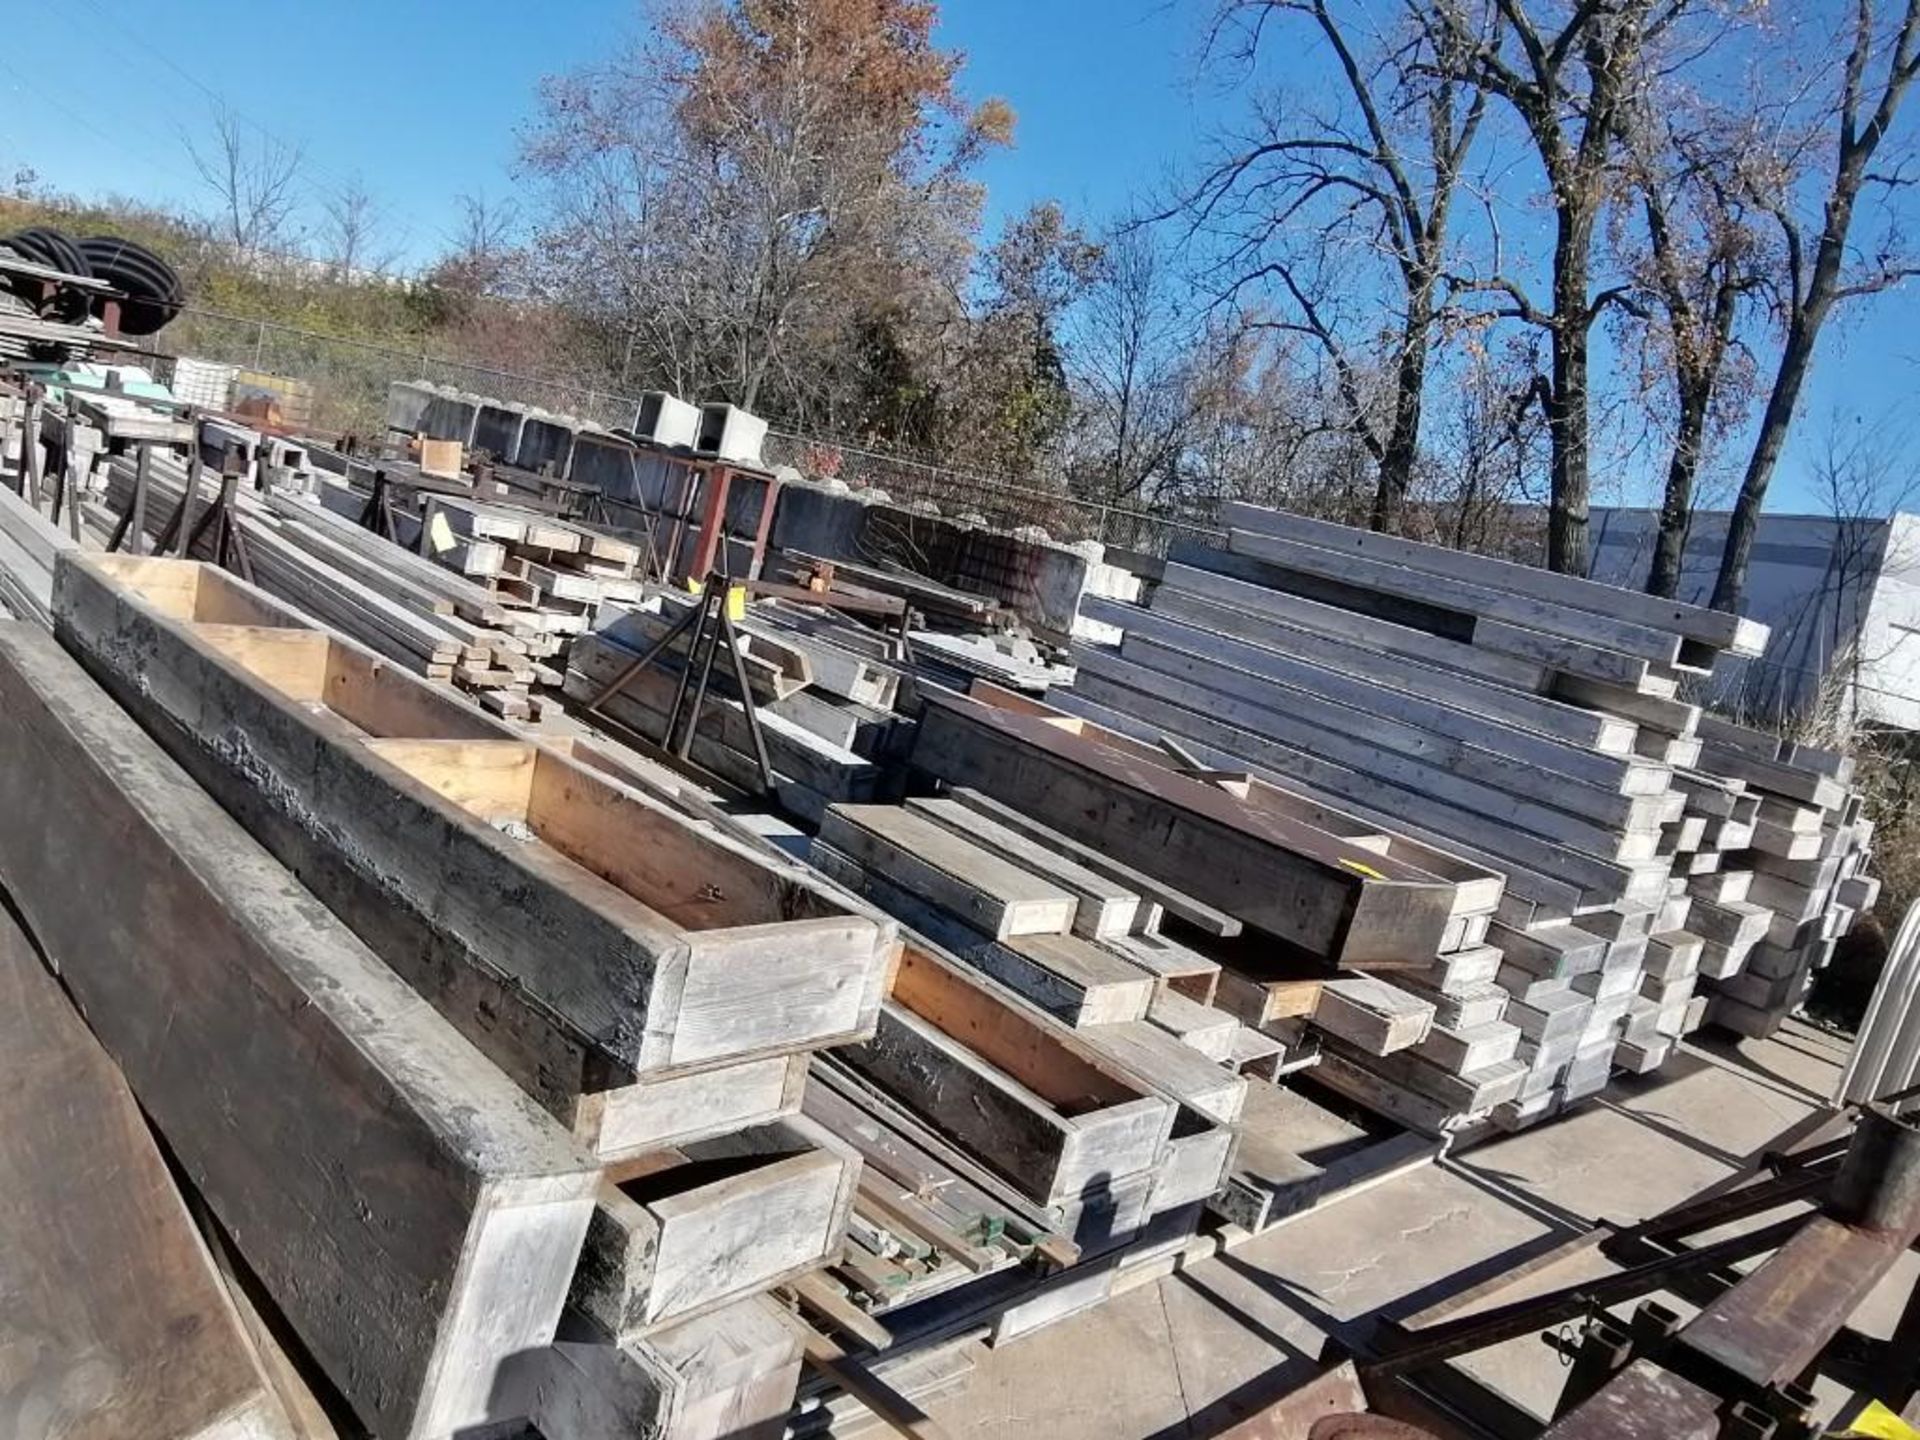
<point x="415" y="1217"/>
<point x="582" y="934"/>
<point x="688" y="1230"/>
<point x="1011" y="1084"/>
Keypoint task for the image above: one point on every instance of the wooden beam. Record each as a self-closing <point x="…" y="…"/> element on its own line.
<point x="1281" y="876"/>
<point x="995" y="895"/>
<point x="117" y="1322"/>
<point x="637" y="945"/>
<point x="317" y="1104"/>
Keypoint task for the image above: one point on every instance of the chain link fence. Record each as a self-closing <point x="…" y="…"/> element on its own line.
<point x="347" y="381"/>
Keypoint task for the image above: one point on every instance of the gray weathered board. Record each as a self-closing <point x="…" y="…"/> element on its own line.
<point x="115" y="1324"/>
<point x="1329" y="898"/>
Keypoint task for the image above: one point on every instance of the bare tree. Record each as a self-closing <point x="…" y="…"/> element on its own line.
<point x="1695" y="262"/>
<point x="1376" y="176"/>
<point x="355" y="223"/>
<point x="1572" y="83"/>
<point x="1821" y="270"/>
<point x="1128" y="343"/>
<point x="256" y="183"/>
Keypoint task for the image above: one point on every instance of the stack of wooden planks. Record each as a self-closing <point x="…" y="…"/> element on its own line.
<point x="638" y="993"/>
<point x="408" y="609"/>
<point x="1776" y="906"/>
<point x="1527" y="722"/>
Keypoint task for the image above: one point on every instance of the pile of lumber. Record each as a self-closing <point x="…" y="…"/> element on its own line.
<point x="1311" y="918"/>
<point x="1024" y="1039"/>
<point x="1527" y="722"/>
<point x="405" y="607"/>
<point x="500" y="1100"/>
<point x="529" y="559"/>
<point x="1803" y="865"/>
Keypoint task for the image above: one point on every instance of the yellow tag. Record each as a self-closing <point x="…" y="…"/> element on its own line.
<point x="736" y="602"/>
<point x="1366" y="870"/>
<point x="1879" y="1423"/>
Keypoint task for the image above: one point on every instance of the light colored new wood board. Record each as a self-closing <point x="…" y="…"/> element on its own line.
<point x="116" y="1322"/>
<point x="1104" y="907"/>
<point x="996" y="895"/>
<point x="1720" y="630"/>
<point x="320" y="1106"/>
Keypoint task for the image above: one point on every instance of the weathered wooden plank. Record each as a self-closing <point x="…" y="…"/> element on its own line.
<point x="993" y="894"/>
<point x="1030" y="1097"/>
<point x="1327" y="666"/>
<point x="638" y="943"/>
<point x="1185" y="583"/>
<point x="1205" y="1029"/>
<point x="1172" y="1068"/>
<point x="1182" y="906"/>
<point x="1105" y="908"/>
<point x="652" y="1114"/>
<point x="1537" y="869"/>
<point x="730" y="1375"/>
<point x="411" y="1213"/>
<point x="1718" y="629"/>
<point x="1279" y="876"/>
<point x="1377" y="1017"/>
<point x="115" y="1320"/>
<point x="1066" y="976"/>
<point x="731" y="1216"/>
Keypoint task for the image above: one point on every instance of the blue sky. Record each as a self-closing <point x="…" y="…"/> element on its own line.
<point x="424" y="101"/>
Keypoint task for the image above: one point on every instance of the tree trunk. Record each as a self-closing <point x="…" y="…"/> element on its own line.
<point x="1795" y="360"/>
<point x="1402" y="450"/>
<point x="1676" y="506"/>
<point x="1567" y="421"/>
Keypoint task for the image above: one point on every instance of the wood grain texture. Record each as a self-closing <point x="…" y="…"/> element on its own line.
<point x="594" y="937"/>
<point x="1277" y="875"/>
<point x="411" y="1212"/>
<point x="113" y="1322"/>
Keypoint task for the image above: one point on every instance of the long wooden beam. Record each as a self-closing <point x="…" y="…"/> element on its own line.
<point x="117" y="1321"/>
<point x="413" y="1214"/>
<point x="1331" y="899"/>
<point x="581" y="933"/>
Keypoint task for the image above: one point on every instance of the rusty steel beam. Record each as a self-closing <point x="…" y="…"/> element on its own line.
<point x="1771" y="1327"/>
<point x="1431" y="1344"/>
<point x="1643" y="1402"/>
